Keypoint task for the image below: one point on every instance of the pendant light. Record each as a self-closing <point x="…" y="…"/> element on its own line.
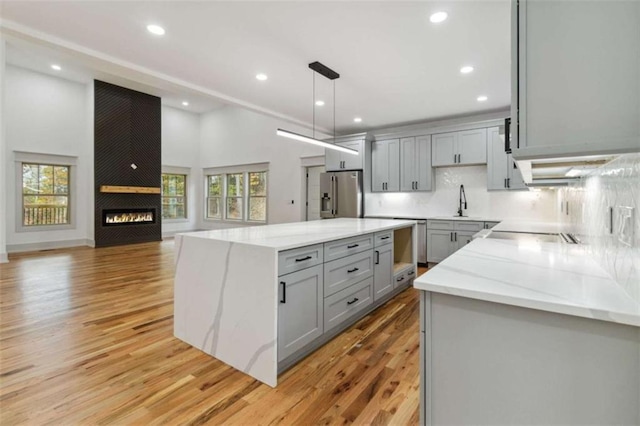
<point x="331" y="75"/>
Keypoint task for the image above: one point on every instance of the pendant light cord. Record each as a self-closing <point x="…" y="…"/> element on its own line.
<point x="334" y="111"/>
<point x="313" y="105"/>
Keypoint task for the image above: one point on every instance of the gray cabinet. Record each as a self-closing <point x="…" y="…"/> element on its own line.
<point x="338" y="161"/>
<point x="383" y="271"/>
<point x="461" y="148"/>
<point x="575" y="78"/>
<point x="385" y="164"/>
<point x="444" y="237"/>
<point x="421" y="229"/>
<point x="502" y="171"/>
<point x="301" y="310"/>
<point x="416" y="173"/>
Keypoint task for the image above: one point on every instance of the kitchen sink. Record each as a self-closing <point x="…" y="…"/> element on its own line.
<point x="533" y="237"/>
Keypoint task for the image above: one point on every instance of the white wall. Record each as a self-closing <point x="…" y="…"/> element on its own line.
<point x="48" y="115"/>
<point x="536" y="205"/>
<point x="180" y="148"/>
<point x="233" y="136"/>
<point x="3" y="166"/>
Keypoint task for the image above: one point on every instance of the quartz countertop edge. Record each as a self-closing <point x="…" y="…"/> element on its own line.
<point x="551" y="277"/>
<point x="285" y="236"/>
<point x="452" y="217"/>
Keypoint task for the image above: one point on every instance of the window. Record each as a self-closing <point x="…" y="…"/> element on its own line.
<point x="45" y="194"/>
<point x="214" y="196"/>
<point x="244" y="194"/>
<point x="174" y="196"/>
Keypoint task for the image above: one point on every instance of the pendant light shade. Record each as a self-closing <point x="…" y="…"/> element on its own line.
<point x="331" y="75"/>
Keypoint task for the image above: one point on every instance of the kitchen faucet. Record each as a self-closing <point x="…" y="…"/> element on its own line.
<point x="462" y="194"/>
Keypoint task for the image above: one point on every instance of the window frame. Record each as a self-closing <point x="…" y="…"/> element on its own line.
<point x="21" y="158"/>
<point x="186" y="172"/>
<point x="245" y="171"/>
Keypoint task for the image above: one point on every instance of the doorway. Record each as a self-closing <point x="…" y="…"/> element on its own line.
<point x="313" y="192"/>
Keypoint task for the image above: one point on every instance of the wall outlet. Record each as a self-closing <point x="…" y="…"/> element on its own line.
<point x="624" y="224"/>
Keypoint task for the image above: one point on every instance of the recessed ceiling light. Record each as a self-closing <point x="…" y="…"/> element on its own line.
<point x="155" y="29"/>
<point x="482" y="98"/>
<point x="261" y="77"/>
<point x="466" y="69"/>
<point x="56" y="67"/>
<point x="357" y="120"/>
<point x="320" y="103"/>
<point x="438" y="17"/>
<point x="185" y="103"/>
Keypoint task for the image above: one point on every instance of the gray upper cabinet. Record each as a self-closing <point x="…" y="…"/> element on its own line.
<point x="337" y="161"/>
<point x="575" y="78"/>
<point x="416" y="173"/>
<point x="502" y="171"/>
<point x="301" y="310"/>
<point x="466" y="147"/>
<point x="385" y="161"/>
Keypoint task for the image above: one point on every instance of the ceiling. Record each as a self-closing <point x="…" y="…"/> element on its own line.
<point x="395" y="66"/>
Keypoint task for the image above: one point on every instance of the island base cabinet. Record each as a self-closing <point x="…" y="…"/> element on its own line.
<point x="490" y="363"/>
<point x="300" y="310"/>
<point x="344" y="304"/>
<point x="383" y="271"/>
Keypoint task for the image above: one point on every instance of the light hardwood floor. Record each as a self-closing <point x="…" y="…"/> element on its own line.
<point x="87" y="338"/>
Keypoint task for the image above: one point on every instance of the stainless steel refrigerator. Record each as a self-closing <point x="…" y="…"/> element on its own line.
<point x="341" y="194"/>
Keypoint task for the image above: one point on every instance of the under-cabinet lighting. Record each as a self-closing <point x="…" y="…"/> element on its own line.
<point x="302" y="138"/>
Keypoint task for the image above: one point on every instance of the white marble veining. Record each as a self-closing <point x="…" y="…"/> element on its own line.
<point x="286" y="236"/>
<point x="226" y="287"/>
<point x="551" y="277"/>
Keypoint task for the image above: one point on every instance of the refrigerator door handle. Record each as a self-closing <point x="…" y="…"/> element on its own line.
<point x="334" y="189"/>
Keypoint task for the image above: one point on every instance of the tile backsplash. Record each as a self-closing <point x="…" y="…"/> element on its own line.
<point x="603" y="210"/>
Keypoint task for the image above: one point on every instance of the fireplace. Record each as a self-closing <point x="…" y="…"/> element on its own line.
<point x="122" y="217"/>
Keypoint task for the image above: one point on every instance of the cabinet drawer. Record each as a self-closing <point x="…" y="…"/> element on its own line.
<point x="468" y="226"/>
<point x="446" y="225"/>
<point x="341" y="273"/>
<point x="341" y="248"/>
<point x="382" y="238"/>
<point x="343" y="305"/>
<point x="300" y="258"/>
<point x="403" y="277"/>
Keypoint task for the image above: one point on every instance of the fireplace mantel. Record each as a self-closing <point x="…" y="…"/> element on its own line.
<point x="130" y="189"/>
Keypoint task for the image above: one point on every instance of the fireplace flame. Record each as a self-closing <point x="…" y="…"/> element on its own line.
<point x="129" y="217"/>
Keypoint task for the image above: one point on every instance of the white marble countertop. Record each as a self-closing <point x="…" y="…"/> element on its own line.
<point x="552" y="277"/>
<point x="286" y="236"/>
<point x="452" y="217"/>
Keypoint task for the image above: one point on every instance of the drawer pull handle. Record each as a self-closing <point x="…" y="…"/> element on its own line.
<point x="384" y="238"/>
<point x="353" y="246"/>
<point x="352" y="270"/>
<point x="284" y="292"/>
<point x="411" y="273"/>
<point x="400" y="279"/>
<point x="303" y="259"/>
<point x="355" y="299"/>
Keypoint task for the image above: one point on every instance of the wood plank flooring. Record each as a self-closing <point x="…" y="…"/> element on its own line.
<point x="87" y="338"/>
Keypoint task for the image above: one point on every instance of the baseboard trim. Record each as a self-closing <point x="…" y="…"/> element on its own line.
<point x="171" y="234"/>
<point x="4" y="258"/>
<point x="47" y="245"/>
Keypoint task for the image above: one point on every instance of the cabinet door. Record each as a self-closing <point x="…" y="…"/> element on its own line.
<point x="408" y="163"/>
<point x="385" y="163"/>
<point x="515" y="176"/>
<point x="379" y="166"/>
<point x="350" y="161"/>
<point x="595" y="89"/>
<point x="300" y="311"/>
<point x="332" y="160"/>
<point x="439" y="245"/>
<point x="443" y="149"/>
<point x="383" y="271"/>
<point x="424" y="172"/>
<point x="497" y="172"/>
<point x="472" y="146"/>
<point x="462" y="239"/>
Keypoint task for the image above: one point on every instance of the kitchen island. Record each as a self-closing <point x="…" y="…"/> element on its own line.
<point x="261" y="298"/>
<point x="525" y="332"/>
